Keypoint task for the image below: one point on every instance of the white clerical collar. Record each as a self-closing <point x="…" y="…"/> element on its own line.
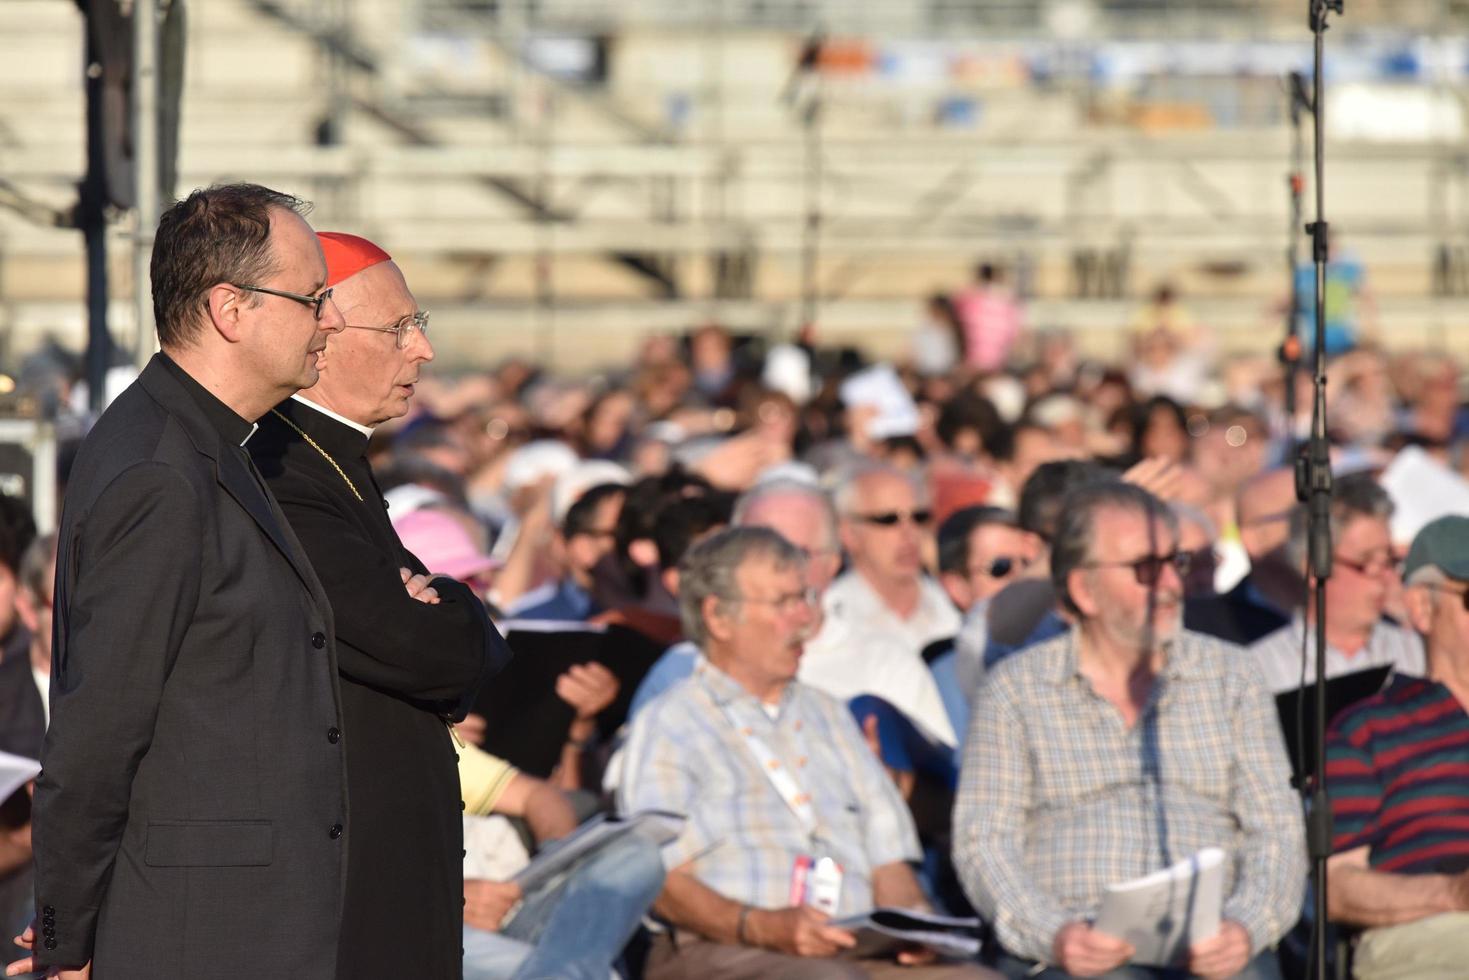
<point x="365" y="430"/>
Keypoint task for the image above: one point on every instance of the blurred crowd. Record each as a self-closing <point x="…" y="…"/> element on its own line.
<point x="926" y="504"/>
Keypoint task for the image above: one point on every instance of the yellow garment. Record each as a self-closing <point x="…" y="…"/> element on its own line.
<point x="482" y="779"/>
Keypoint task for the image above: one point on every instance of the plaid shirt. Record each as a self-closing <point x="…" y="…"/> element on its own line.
<point x="1058" y="800"/>
<point x="1279" y="654"/>
<point x="684" y="755"/>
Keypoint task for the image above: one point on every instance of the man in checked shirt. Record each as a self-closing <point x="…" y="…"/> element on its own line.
<point x="772" y="774"/>
<point x="1117" y="749"/>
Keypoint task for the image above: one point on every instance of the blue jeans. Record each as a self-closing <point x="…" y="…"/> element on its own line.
<point x="573" y="928"/>
<point x="1262" y="967"/>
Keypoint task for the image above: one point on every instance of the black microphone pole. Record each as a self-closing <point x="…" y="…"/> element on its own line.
<point x="1290" y="346"/>
<point x="1313" y="486"/>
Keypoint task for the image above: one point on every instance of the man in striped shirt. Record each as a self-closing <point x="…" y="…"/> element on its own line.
<point x="1398" y="775"/>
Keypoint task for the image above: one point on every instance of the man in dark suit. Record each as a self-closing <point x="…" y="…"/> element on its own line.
<point x="190" y="819"/>
<point x="407" y="667"/>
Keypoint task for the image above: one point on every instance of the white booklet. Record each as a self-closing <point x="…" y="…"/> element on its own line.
<point x="1166" y="912"/>
<point x="885" y="931"/>
<point x="15" y="772"/>
<point x="555" y="858"/>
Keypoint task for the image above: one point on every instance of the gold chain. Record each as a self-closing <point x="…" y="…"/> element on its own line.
<point x="324" y="454"/>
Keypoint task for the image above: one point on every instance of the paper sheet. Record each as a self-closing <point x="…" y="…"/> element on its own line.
<point x="557" y="857"/>
<point x="880" y="388"/>
<point x="1423" y="490"/>
<point x="15" y="772"/>
<point x="884" y="931"/>
<point x="1164" y="913"/>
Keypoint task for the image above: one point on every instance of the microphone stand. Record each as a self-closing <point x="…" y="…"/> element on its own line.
<point x="1290" y="348"/>
<point x="1313" y="487"/>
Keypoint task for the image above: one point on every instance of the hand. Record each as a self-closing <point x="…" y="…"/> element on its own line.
<point x="796" y="931"/>
<point x="1081" y="950"/>
<point x="487" y="902"/>
<point x="735" y="463"/>
<point x="1221" y="955"/>
<point x="902" y="779"/>
<point x="588" y="688"/>
<point x="418" y="587"/>
<point x="916" y="956"/>
<point x="472" y="729"/>
<point x="27" y="940"/>
<point x="1158" y="475"/>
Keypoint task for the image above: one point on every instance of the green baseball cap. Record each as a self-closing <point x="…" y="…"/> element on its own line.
<point x="1441" y="544"/>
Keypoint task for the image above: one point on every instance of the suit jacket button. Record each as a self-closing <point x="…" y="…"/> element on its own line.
<point x="335" y="832"/>
<point x="50" y="942"/>
<point x="334" y="735"/>
<point x="318" y="640"/>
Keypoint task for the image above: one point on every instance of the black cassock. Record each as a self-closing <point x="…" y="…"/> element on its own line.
<point x="405" y="666"/>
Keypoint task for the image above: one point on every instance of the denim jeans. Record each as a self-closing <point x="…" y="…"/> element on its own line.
<point x="1263" y="967"/>
<point x="574" y="927"/>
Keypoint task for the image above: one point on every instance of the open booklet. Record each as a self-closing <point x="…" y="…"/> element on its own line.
<point x="1166" y="912"/>
<point x="884" y="931"/>
<point x="555" y="858"/>
<point x="15" y="772"/>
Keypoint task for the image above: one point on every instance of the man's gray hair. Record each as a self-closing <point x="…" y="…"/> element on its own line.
<point x="1076" y="527"/>
<point x="847" y="497"/>
<point x="1352" y="496"/>
<point x="710" y="567"/>
<point x="772" y="490"/>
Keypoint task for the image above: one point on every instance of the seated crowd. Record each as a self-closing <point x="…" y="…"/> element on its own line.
<point x="1035" y="644"/>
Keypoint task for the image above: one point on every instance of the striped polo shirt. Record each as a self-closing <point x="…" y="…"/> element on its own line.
<point x="1397" y="772"/>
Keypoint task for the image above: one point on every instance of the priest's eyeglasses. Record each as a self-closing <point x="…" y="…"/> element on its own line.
<point x="317" y="302"/>
<point x="403" y="328"/>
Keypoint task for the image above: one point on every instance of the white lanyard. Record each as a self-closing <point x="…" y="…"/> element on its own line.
<point x="778" y="773"/>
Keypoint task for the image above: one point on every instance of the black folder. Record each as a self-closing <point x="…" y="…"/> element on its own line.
<point x="1342" y="692"/>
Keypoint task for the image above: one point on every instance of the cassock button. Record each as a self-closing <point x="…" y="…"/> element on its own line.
<point x="50" y="942"/>
<point x="318" y="640"/>
<point x="334" y="735"/>
<point x="48" y="910"/>
<point x="335" y="832"/>
<point x="386" y="505"/>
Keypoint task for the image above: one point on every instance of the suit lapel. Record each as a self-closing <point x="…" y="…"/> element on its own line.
<point x="237" y="480"/>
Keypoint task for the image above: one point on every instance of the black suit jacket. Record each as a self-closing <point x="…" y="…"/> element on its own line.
<point x="405" y="667"/>
<point x="190" y="818"/>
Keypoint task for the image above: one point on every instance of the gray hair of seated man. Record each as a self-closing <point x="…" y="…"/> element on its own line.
<point x="711" y="566"/>
<point x="1353" y="495"/>
<point x="1076" y="527"/>
<point x="784" y="488"/>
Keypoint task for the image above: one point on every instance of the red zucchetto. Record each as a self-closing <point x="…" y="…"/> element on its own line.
<point x="347" y="255"/>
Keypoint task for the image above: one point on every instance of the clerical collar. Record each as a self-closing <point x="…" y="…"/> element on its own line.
<point x="226" y="421"/>
<point x="365" y="430"/>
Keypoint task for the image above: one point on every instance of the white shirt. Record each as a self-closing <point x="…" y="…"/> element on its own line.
<point x="852" y="602"/>
<point x="43" y="684"/>
<point x="845" y="663"/>
<point x="1279" y="655"/>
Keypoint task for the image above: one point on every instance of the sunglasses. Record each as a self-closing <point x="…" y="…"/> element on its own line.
<point x="1149" y="568"/>
<point x="1376" y="565"/>
<point x="316" y="302"/>
<point x="892" y="518"/>
<point x="1001" y="567"/>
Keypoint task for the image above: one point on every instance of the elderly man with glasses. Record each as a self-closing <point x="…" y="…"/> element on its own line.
<point x="1357" y="594"/>
<point x="1120" y="748"/>
<point x="791" y="819"/>
<point x="1395" y="769"/>
<point x="410" y="658"/>
<point x="886" y="529"/>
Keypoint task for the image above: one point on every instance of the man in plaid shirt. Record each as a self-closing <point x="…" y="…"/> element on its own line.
<point x="772" y="774"/>
<point x="1117" y="749"/>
